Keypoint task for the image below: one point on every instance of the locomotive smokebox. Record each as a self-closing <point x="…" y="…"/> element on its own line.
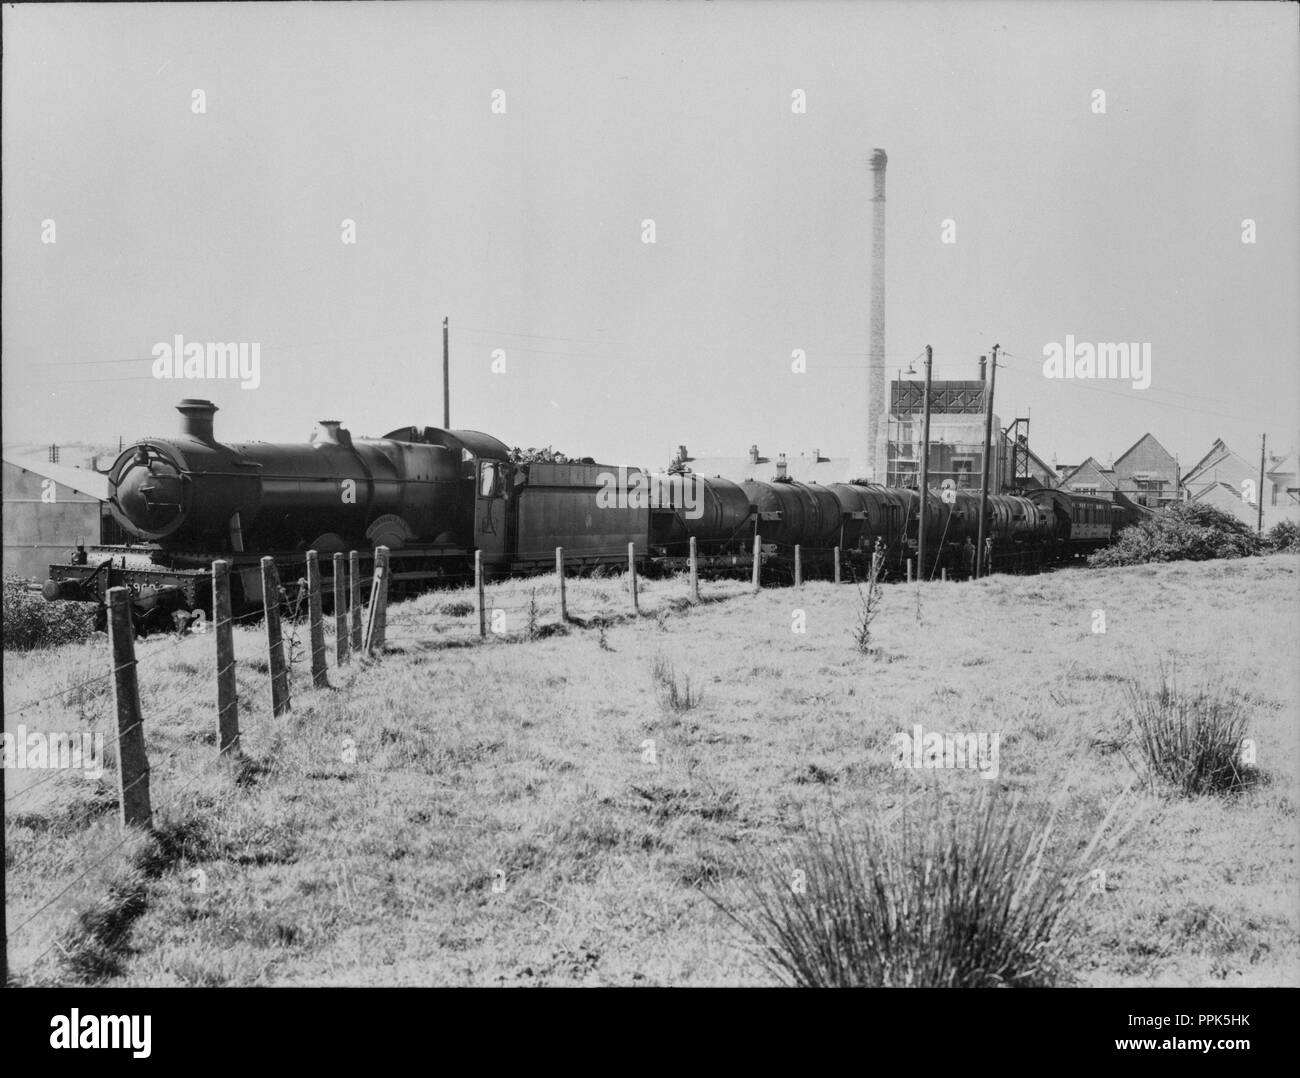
<point x="196" y="419"/>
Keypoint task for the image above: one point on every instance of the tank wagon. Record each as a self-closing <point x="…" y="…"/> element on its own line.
<point x="439" y="498"/>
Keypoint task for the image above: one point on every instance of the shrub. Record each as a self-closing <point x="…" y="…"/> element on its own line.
<point x="1284" y="537"/>
<point x="1185" y="531"/>
<point x="870" y="607"/>
<point x="948" y="898"/>
<point x="1190" y="737"/>
<point x="456" y="609"/>
<point x="31" y="622"/>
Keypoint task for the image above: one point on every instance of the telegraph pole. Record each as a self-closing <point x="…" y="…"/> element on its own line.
<point x="1259" y="494"/>
<point x="925" y="469"/>
<point x="446" y="378"/>
<point x="980" y="567"/>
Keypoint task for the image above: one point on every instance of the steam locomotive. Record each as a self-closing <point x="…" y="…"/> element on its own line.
<point x="436" y="498"/>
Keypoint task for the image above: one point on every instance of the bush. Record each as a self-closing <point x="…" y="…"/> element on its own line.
<point x="31" y="622"/>
<point x="1284" y="537"/>
<point x="1182" y="532"/>
<point x="1189" y="737"/>
<point x="957" y="898"/>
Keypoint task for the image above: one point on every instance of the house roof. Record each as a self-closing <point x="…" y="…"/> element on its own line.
<point x="1146" y="437"/>
<point x="1103" y="473"/>
<point x="82" y="480"/>
<point x="1217" y="452"/>
<point x="1211" y="488"/>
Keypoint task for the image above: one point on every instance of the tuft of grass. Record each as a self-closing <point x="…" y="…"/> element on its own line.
<point x="674" y="696"/>
<point x="456" y="610"/>
<point x="950" y="898"/>
<point x="1188" y="736"/>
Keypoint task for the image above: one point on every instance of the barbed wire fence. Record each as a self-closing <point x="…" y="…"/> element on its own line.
<point x="361" y="627"/>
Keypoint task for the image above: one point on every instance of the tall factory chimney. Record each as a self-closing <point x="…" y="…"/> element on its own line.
<point x="877" y="404"/>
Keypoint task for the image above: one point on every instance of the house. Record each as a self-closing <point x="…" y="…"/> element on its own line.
<point x="1090" y="477"/>
<point x="49" y="509"/>
<point x="1221" y="465"/>
<point x="1148" y="474"/>
<point x="1229" y="481"/>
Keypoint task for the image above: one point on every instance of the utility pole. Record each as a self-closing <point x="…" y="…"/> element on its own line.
<point x="1259" y="494"/>
<point x="446" y="378"/>
<point x="925" y="469"/>
<point x="980" y="567"/>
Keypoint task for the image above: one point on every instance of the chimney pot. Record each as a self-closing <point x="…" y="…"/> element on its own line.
<point x="753" y="454"/>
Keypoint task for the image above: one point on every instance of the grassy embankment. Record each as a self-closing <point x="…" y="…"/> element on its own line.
<point x="362" y="840"/>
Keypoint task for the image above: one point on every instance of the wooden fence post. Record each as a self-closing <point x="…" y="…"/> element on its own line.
<point x="837" y="565"/>
<point x="482" y="599"/>
<point x="695" y="573"/>
<point x="631" y="576"/>
<point x="943" y="575"/>
<point x="274" y="639"/>
<point x="341" y="649"/>
<point x="909" y="570"/>
<point x="227" y="689"/>
<point x="798" y="566"/>
<point x="377" y="621"/>
<point x="354" y="603"/>
<point x="559" y="579"/>
<point x="758" y="560"/>
<point x="132" y="764"/>
<point x="317" y="624"/>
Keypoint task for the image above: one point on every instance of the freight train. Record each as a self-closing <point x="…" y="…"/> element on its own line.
<point x="437" y="498"/>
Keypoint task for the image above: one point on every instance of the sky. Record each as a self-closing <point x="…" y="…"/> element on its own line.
<point x="499" y="162"/>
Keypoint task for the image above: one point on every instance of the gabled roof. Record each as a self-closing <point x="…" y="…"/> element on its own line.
<point x="1213" y="488"/>
<point x="1051" y="472"/>
<point x="82" y="480"/>
<point x="1284" y="465"/>
<point x="1217" y="452"/>
<point x="1104" y="475"/>
<point x="1145" y="438"/>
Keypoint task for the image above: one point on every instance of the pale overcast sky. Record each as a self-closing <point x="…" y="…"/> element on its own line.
<point x="525" y="227"/>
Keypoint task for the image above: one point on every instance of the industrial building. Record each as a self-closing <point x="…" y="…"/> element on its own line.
<point x="49" y="509"/>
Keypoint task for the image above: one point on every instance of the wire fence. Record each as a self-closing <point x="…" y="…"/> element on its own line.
<point x="586" y="588"/>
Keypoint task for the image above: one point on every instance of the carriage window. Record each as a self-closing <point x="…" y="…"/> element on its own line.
<point x="487" y="479"/>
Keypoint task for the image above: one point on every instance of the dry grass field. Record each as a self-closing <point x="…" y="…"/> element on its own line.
<point x="562" y="808"/>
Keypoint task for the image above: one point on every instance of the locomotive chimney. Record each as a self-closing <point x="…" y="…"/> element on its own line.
<point x="328" y="432"/>
<point x="984" y="361"/>
<point x="196" y="418"/>
<point x="877" y="406"/>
